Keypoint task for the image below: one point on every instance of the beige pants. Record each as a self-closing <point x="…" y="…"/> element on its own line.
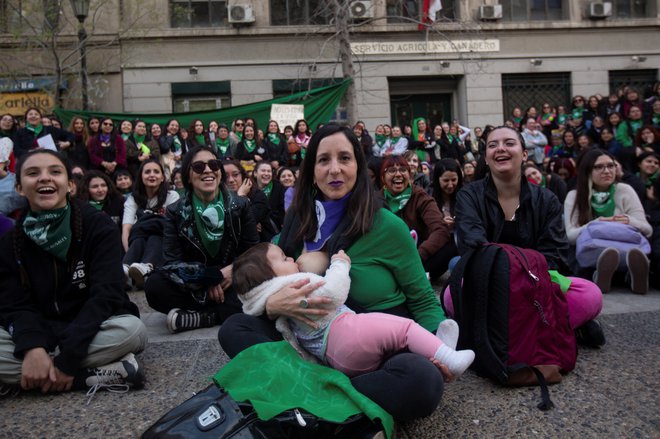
<point x="117" y="336"/>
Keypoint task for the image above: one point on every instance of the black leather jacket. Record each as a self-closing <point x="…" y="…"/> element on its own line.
<point x="239" y="235"/>
<point x="480" y="219"/>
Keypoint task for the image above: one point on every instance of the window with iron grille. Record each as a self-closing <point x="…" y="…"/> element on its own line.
<point x="526" y="90"/>
<point x="408" y="11"/>
<point x="642" y="80"/>
<point x="633" y="8"/>
<point x="198" y="13"/>
<point x="200" y="96"/>
<point x="534" y="10"/>
<point x="299" y="12"/>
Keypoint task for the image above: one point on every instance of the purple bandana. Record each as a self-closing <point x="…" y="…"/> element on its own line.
<point x="328" y="215"/>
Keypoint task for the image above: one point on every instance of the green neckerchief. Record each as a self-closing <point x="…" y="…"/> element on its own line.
<point x="223" y="145"/>
<point x="138" y="139"/>
<point x="656" y="119"/>
<point x="303" y="152"/>
<point x="544" y="181"/>
<point x="602" y="203"/>
<point x="635" y="125"/>
<point x="239" y="136"/>
<point x="394" y="140"/>
<point x="36" y="130"/>
<point x="210" y="222"/>
<point x="181" y="192"/>
<point x="381" y="139"/>
<point x="451" y="138"/>
<point x="577" y="113"/>
<point x="274" y="138"/>
<point x="268" y="189"/>
<point x="649" y="181"/>
<point x="199" y="138"/>
<point x="125" y="136"/>
<point x="517" y="120"/>
<point x="249" y="145"/>
<point x="50" y="230"/>
<point x="561" y="119"/>
<point x="98" y="205"/>
<point x="397" y="202"/>
<point x="177" y="144"/>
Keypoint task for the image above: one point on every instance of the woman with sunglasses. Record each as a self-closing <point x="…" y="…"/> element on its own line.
<point x="204" y="232"/>
<point x="598" y="198"/>
<point x="107" y="150"/>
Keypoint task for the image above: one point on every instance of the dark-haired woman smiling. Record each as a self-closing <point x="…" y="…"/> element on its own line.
<point x="107" y="150"/>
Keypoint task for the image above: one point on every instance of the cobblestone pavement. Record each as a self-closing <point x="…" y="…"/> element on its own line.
<point x="612" y="392"/>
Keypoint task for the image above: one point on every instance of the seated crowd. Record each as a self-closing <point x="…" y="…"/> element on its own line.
<point x="396" y="208"/>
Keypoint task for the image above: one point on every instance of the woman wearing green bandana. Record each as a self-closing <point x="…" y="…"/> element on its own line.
<point x="250" y="149"/>
<point x="100" y="192"/>
<point x="140" y="147"/>
<point x="276" y="145"/>
<point x="598" y="197"/>
<point x="204" y="232"/>
<point x="274" y="191"/>
<point x="66" y="321"/>
<point x="197" y="133"/>
<point x="420" y="213"/>
<point x="25" y="139"/>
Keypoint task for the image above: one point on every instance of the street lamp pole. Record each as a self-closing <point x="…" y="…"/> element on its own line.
<point x="81" y="9"/>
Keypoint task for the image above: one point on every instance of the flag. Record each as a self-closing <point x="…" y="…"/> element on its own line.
<point x="429" y="10"/>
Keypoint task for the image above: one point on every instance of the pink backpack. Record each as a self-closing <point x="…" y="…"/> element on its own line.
<point x="513" y="317"/>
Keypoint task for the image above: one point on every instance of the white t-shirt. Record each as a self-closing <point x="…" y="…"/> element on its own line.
<point x="131" y="208"/>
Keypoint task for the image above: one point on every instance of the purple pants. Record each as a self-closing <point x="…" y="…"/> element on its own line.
<point x="584" y="298"/>
<point x="360" y="343"/>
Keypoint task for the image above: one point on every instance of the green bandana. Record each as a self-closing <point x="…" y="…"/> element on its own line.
<point x="544" y="181"/>
<point x="222" y="145"/>
<point x="199" y="138"/>
<point x="577" y="113"/>
<point x="138" y="139"/>
<point x="210" y="222"/>
<point x="268" y="189"/>
<point x="517" y="120"/>
<point x="177" y="145"/>
<point x="381" y="139"/>
<point x="50" y="230"/>
<point x="249" y="145"/>
<point x="125" y="136"/>
<point x="303" y="152"/>
<point x="656" y="119"/>
<point x="239" y="136"/>
<point x="561" y="119"/>
<point x="397" y="202"/>
<point x="36" y="130"/>
<point x="451" y="138"/>
<point x="274" y="138"/>
<point x="602" y="203"/>
<point x="98" y="205"/>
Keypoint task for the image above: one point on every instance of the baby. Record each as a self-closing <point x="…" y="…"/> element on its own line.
<point x="351" y="343"/>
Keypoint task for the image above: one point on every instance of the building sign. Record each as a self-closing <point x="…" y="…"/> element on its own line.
<point x="408" y="47"/>
<point x="287" y="114"/>
<point x="30" y="84"/>
<point x="17" y="103"/>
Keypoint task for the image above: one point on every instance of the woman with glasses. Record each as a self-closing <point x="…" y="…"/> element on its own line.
<point x="599" y="198"/>
<point x="204" y="232"/>
<point x="107" y="150"/>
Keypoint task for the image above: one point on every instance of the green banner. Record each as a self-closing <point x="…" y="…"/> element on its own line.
<point x="320" y="104"/>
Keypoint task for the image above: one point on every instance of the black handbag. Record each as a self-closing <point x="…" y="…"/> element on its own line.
<point x="212" y="413"/>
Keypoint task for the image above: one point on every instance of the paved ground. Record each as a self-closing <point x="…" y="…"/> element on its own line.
<point x="612" y="392"/>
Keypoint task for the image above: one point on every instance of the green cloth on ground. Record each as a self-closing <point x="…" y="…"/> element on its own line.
<point x="561" y="280"/>
<point x="289" y="382"/>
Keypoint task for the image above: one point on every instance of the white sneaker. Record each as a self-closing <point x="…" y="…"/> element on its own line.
<point x="129" y="282"/>
<point x="138" y="271"/>
<point x="117" y="377"/>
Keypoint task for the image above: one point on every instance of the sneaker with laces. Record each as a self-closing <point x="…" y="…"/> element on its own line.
<point x="590" y="334"/>
<point x="138" y="271"/>
<point x="9" y="390"/>
<point x="607" y="263"/>
<point x="117" y="377"/>
<point x="179" y="320"/>
<point x="638" y="270"/>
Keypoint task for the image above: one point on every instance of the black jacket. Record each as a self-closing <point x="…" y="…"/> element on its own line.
<point x="278" y="152"/>
<point x="480" y="219"/>
<point x="64" y="303"/>
<point x="239" y="235"/>
<point x="24" y="139"/>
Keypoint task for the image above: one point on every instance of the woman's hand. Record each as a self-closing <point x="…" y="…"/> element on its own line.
<point x="245" y="187"/>
<point x="64" y="145"/>
<point x="35" y="371"/>
<point x="59" y="381"/>
<point x="624" y="219"/>
<point x="289" y="302"/>
<point x="226" y="273"/>
<point x="449" y="220"/>
<point x="216" y="294"/>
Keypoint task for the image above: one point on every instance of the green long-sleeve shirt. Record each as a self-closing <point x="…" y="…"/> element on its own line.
<point x="386" y="271"/>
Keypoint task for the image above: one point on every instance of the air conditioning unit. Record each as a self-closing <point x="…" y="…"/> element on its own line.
<point x="490" y="12"/>
<point x="599" y="10"/>
<point x="240" y="14"/>
<point x="361" y="9"/>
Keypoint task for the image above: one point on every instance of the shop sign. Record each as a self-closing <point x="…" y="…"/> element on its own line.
<point x="408" y="47"/>
<point x="17" y="103"/>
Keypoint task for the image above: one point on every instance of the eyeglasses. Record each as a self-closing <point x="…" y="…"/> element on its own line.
<point x="239" y="124"/>
<point x="199" y="167"/>
<point x="393" y="170"/>
<point x="578" y="100"/>
<point x="601" y="168"/>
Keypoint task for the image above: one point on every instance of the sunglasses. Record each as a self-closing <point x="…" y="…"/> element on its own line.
<point x="200" y="167"/>
<point x="239" y="124"/>
<point x="107" y="124"/>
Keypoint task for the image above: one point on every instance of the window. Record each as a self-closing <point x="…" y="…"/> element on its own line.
<point x="641" y="80"/>
<point x="533" y="10"/>
<point x="632" y="8"/>
<point x="526" y="90"/>
<point x="198" y="13"/>
<point x="200" y="96"/>
<point x="407" y="11"/>
<point x="299" y="12"/>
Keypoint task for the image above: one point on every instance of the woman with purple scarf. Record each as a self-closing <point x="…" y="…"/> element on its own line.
<point x="107" y="150"/>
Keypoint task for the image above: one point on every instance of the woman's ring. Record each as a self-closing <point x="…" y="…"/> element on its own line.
<point x="304" y="303"/>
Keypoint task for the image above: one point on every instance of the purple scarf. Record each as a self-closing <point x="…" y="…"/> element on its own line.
<point x="328" y="215"/>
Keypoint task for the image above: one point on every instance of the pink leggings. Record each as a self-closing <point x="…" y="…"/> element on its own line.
<point x="584" y="299"/>
<point x="359" y="343"/>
